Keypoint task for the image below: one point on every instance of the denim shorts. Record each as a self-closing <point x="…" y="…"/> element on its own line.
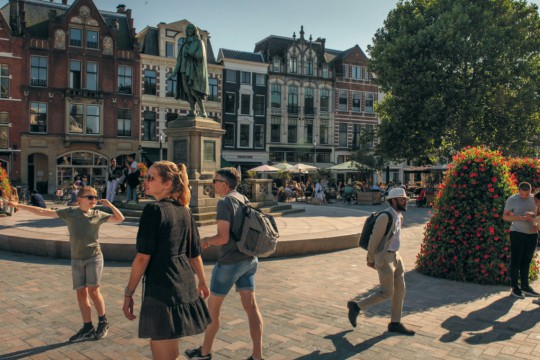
<point x="241" y="274"/>
<point x="86" y="272"/>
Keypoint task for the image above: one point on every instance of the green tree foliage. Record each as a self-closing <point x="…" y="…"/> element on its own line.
<point x="466" y="239"/>
<point x="458" y="73"/>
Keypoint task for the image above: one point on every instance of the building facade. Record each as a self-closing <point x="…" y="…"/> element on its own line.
<point x="159" y="50"/>
<point x="245" y="93"/>
<point x="80" y="90"/>
<point x="300" y="93"/>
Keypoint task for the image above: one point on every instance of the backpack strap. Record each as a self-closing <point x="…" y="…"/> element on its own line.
<point x="245" y="204"/>
<point x="390" y="221"/>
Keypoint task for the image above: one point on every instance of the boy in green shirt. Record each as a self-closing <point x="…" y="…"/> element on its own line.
<point x="86" y="259"/>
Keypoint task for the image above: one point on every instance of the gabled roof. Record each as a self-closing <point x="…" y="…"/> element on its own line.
<point x="343" y="54"/>
<point x="278" y="46"/>
<point x="240" y="55"/>
<point x="37" y="20"/>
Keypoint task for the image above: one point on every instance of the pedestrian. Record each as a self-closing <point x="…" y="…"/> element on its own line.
<point x="132" y="178"/>
<point x="168" y="251"/>
<point x="383" y="255"/>
<point x="36" y="199"/>
<point x="114" y="173"/>
<point x="83" y="225"/>
<point x="520" y="209"/>
<point x="232" y="268"/>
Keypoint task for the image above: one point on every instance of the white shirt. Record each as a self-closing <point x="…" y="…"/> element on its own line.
<point x="395" y="242"/>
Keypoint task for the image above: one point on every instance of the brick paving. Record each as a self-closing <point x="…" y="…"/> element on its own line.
<point x="303" y="304"/>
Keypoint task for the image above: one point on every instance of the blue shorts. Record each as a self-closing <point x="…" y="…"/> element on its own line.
<point x="241" y="274"/>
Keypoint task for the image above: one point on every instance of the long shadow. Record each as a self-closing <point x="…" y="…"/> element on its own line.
<point x="41" y="223"/>
<point x="344" y="349"/>
<point x="476" y="320"/>
<point x="505" y="330"/>
<point x="22" y="354"/>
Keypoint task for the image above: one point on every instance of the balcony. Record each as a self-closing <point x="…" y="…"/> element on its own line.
<point x="93" y="94"/>
<point x="292" y="109"/>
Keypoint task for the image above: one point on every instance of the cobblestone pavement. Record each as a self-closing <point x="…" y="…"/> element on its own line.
<point x="303" y="302"/>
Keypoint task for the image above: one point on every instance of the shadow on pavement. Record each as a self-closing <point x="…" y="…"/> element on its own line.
<point x="22" y="354"/>
<point x="41" y="223"/>
<point x="344" y="349"/>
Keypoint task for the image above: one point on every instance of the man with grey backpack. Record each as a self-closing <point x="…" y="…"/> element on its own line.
<point x="383" y="256"/>
<point x="233" y="267"/>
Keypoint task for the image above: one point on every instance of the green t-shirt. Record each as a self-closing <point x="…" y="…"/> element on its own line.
<point x="83" y="230"/>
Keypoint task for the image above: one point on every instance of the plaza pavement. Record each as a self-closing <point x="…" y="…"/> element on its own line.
<point x="303" y="302"/>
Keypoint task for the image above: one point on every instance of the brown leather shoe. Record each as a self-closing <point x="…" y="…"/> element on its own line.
<point x="398" y="327"/>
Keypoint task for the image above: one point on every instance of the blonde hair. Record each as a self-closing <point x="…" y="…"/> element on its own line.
<point x="86" y="190"/>
<point x="168" y="170"/>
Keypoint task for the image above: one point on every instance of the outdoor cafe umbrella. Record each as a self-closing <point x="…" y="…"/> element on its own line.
<point x="283" y="166"/>
<point x="303" y="168"/>
<point x="349" y="166"/>
<point x="264" y="168"/>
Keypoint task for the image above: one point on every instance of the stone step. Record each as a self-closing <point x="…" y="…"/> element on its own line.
<point x="204" y="216"/>
<point x="288" y="212"/>
<point x="276" y="208"/>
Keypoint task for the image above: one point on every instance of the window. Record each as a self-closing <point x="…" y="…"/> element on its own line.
<point x="325" y="100"/>
<point x="230" y="76"/>
<point x="343" y="100"/>
<point x="276" y="95"/>
<point x="356" y="72"/>
<point x="308" y="101"/>
<point x="309" y="67"/>
<point x="209" y="150"/>
<point x="38" y="71"/>
<point x="343" y="135"/>
<point x="325" y="73"/>
<point x="84" y="122"/>
<point x="213" y="86"/>
<point x="258" y="105"/>
<point x="92" y="119"/>
<point x="230" y="103"/>
<point x="171" y="85"/>
<point x="4" y="81"/>
<point x="92" y="39"/>
<point x="356" y="101"/>
<point x="292" y="131"/>
<point x="308" y="125"/>
<point x="246" y="77"/>
<point x="245" y="104"/>
<point x="150" y="82"/>
<point x="92" y="76"/>
<point x="244" y="135"/>
<point x="124" y="79"/>
<point x="75" y="74"/>
<point x="275" y="129"/>
<point x="366" y="73"/>
<point x="346" y="71"/>
<point x="76" y="119"/>
<point x="260" y="79"/>
<point x="149" y="123"/>
<point x="276" y="65"/>
<point x="259" y="136"/>
<point x="170" y="116"/>
<point x="369" y="103"/>
<point x="292" y="65"/>
<point x="228" y="137"/>
<point x="123" y="118"/>
<point x="75" y="37"/>
<point x="293" y="100"/>
<point x="4" y="130"/>
<point x="169" y="49"/>
<point x="38" y="117"/>
<point x="356" y="137"/>
<point x="325" y="124"/>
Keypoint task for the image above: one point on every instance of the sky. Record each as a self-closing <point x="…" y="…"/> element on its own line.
<point x="240" y="24"/>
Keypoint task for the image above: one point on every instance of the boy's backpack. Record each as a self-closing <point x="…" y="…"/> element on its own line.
<point x="368" y="228"/>
<point x="259" y="232"/>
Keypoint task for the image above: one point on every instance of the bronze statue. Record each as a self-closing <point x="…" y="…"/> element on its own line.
<point x="191" y="71"/>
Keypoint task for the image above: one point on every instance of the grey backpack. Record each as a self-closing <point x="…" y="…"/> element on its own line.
<point x="259" y="231"/>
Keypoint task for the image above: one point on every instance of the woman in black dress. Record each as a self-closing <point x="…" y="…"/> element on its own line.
<point x="168" y="251"/>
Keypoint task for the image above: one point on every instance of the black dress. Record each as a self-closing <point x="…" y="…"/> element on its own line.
<point x="171" y="307"/>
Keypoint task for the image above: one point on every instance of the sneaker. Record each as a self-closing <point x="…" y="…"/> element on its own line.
<point x="398" y="327"/>
<point x="102" y="329"/>
<point x="197" y="355"/>
<point x="83" y="335"/>
<point x="354" y="310"/>
<point x="517" y="293"/>
<point x="529" y="291"/>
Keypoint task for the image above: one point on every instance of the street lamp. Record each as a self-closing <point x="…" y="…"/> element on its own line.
<point x="160" y="146"/>
<point x="315" y="153"/>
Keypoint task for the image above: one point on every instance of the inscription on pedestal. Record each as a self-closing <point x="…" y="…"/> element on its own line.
<point x="181" y="151"/>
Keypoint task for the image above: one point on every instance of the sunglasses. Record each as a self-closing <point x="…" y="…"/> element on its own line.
<point x="149" y="177"/>
<point x="90" y="197"/>
<point x="217" y="180"/>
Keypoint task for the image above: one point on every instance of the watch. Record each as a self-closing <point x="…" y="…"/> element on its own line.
<point x="128" y="292"/>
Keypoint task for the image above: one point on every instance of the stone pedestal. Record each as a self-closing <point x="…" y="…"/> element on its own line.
<point x="196" y="142"/>
<point x="261" y="189"/>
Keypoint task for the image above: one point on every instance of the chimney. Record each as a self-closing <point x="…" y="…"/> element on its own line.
<point x="121" y="8"/>
<point x="14" y="19"/>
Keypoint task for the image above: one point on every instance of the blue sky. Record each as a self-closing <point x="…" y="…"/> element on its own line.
<point x="239" y="24"/>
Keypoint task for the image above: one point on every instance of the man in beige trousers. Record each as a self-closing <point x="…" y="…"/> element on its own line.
<point x="383" y="256"/>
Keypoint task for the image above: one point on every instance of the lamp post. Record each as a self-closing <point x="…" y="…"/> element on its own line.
<point x="160" y="147"/>
<point x="315" y="153"/>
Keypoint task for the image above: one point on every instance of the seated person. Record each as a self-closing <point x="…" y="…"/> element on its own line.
<point x="348" y="193"/>
<point x="288" y="193"/>
<point x="275" y="190"/>
<point x="421" y="199"/>
<point x="36" y="199"/>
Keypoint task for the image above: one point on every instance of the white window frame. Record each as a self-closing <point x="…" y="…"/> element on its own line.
<point x="244" y="122"/>
<point x="356" y="72"/>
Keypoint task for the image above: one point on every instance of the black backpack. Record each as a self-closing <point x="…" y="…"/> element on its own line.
<point x="368" y="228"/>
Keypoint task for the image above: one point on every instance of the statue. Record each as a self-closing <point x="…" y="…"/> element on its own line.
<point x="191" y="71"/>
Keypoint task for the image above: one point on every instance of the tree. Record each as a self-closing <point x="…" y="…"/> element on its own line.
<point x="458" y="73"/>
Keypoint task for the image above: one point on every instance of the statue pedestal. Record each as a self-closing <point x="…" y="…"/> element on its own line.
<point x="196" y="142"/>
<point x="261" y="189"/>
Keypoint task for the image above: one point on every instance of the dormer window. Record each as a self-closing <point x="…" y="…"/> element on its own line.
<point x="277" y="65"/>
